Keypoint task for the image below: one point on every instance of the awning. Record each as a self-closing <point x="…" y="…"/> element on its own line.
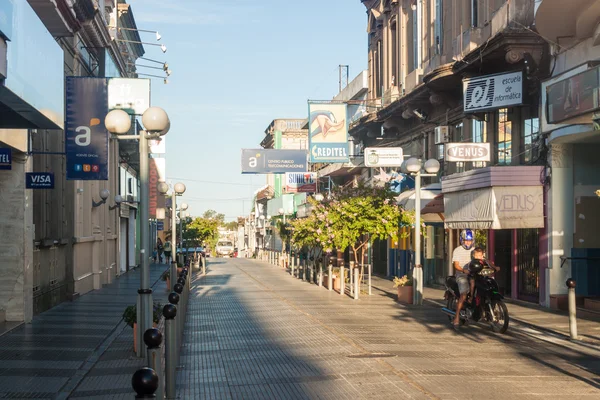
<point x="500" y="207"/>
<point x="434" y="210"/>
<point x="407" y="199"/>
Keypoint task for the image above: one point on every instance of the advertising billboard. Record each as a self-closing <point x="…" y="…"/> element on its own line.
<point x="328" y="132"/>
<point x="301" y="182"/>
<point x="273" y="161"/>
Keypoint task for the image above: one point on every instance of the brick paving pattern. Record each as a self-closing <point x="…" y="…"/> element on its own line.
<point x="254" y="332"/>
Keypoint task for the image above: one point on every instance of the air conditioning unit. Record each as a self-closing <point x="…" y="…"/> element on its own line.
<point x="442" y="134"/>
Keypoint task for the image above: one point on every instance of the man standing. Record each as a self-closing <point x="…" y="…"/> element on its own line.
<point x="167" y="248"/>
<point x="461" y="257"/>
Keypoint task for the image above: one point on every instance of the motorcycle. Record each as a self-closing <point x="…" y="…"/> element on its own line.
<point x="487" y="305"/>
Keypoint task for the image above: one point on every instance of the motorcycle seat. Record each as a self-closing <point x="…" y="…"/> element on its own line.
<point x="450" y="281"/>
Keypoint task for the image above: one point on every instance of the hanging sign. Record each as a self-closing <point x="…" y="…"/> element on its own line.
<point x="39" y="180"/>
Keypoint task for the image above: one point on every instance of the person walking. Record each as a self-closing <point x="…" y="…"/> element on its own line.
<point x="167" y="249"/>
<point x="160" y="249"/>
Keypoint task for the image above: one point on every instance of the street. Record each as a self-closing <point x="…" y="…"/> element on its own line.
<point x="253" y="331"/>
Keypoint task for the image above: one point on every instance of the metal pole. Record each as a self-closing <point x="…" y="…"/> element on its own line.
<point x="342" y="280"/>
<point x="153" y="339"/>
<point x="572" y="308"/>
<point x="321" y="274"/>
<point x="144" y="317"/>
<point x="351" y="278"/>
<point x="181" y="237"/>
<point x="369" y="266"/>
<point x="418" y="270"/>
<point x="356" y="283"/>
<point x="169" y="312"/>
<point x="173" y="270"/>
<point x="330" y="277"/>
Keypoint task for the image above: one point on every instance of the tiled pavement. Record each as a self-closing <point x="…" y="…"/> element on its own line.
<point x="254" y="332"/>
<point x="77" y="350"/>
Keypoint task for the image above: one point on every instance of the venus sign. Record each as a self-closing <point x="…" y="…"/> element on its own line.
<point x="467" y="152"/>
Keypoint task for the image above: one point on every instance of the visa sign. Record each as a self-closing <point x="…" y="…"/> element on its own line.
<point x="301" y="182"/>
<point x="459" y="152"/>
<point x="39" y="180"/>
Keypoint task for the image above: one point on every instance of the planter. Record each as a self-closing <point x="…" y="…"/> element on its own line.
<point x="405" y="294"/>
<point x="335" y="282"/>
<point x="179" y="270"/>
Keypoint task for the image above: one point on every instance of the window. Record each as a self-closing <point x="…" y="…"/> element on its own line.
<point x="439" y="26"/>
<point x="378" y="67"/>
<point x="474" y="11"/>
<point x="395" y="74"/>
<point x="531" y="130"/>
<point x="479" y="129"/>
<point x="417" y="37"/>
<point x="504" y="138"/>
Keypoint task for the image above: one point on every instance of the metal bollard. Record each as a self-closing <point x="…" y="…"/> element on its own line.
<point x="145" y="382"/>
<point x="170" y="312"/>
<point x="153" y="340"/>
<point x="572" y="308"/>
<point x="356" y="283"/>
<point x="330" y="276"/>
<point x="342" y="280"/>
<point x="173" y="274"/>
<point x="321" y="273"/>
<point x="204" y="266"/>
<point x="179" y="291"/>
<point x="292" y="264"/>
<point x="370" y="273"/>
<point x="174" y="299"/>
<point x="303" y="271"/>
<point x="351" y="278"/>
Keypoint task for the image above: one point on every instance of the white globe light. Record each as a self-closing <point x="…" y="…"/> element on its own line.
<point x="155" y="119"/>
<point x="166" y="130"/>
<point x="413" y="165"/>
<point x="117" y="122"/>
<point x="104" y="193"/>
<point x="184" y="206"/>
<point x="262" y="217"/>
<point x="118" y="199"/>
<point x="179" y="188"/>
<point x="319" y="197"/>
<point x="281" y="211"/>
<point x="163" y="188"/>
<point x="432" y="166"/>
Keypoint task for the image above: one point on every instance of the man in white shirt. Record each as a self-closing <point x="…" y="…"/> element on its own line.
<point x="461" y="257"/>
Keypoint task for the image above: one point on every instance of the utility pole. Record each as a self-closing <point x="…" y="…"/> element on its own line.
<point x="344" y="76"/>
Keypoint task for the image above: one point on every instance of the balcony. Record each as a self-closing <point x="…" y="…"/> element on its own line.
<point x="555" y="19"/>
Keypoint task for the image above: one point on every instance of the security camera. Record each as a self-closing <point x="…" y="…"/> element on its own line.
<point x="421" y="115"/>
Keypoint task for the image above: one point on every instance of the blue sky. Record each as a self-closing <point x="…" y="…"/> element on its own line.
<point x="237" y="65"/>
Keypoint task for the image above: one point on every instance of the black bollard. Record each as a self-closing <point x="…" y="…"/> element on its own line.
<point x="178" y="288"/>
<point x="145" y="383"/>
<point x="153" y="340"/>
<point x="170" y="312"/>
<point x="174" y="298"/>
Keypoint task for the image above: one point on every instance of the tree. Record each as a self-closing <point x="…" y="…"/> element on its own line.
<point x="212" y="214"/>
<point x="202" y="230"/>
<point x="231" y="226"/>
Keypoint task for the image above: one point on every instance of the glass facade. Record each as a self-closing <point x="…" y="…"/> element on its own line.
<point x="112" y="71"/>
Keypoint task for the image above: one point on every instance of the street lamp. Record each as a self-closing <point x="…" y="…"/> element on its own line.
<point x="413" y="167"/>
<point x="156" y="123"/>
<point x="319" y="197"/>
<point x="178" y="190"/>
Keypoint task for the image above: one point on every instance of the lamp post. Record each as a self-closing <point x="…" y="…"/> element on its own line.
<point x="156" y="123"/>
<point x="177" y="190"/>
<point x="413" y="166"/>
<point x="182" y="216"/>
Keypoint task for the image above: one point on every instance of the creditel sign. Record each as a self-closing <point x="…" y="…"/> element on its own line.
<point x="458" y="152"/>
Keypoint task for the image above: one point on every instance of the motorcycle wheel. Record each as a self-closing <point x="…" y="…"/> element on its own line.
<point x="451" y="305"/>
<point x="499" y="321"/>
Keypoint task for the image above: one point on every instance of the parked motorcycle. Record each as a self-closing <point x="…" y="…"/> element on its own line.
<point x="487" y="306"/>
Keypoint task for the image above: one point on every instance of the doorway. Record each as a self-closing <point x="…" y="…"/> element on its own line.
<point x="379" y="251"/>
<point x="502" y="258"/>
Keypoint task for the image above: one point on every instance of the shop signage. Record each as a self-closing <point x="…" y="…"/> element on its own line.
<point x="301" y="182"/>
<point x="129" y="94"/>
<point x="273" y="161"/>
<point x="460" y="152"/>
<point x="86" y="136"/>
<point x="160" y="226"/>
<point x="328" y="132"/>
<point x="39" y="180"/>
<point x="384" y="156"/>
<point x="573" y="96"/>
<point x="492" y="91"/>
<point x="5" y="158"/>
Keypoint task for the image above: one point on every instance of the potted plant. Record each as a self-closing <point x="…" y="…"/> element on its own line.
<point x="130" y="318"/>
<point x="405" y="289"/>
<point x="166" y="277"/>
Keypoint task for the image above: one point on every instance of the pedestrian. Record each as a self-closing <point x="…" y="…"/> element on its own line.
<point x="160" y="249"/>
<point x="154" y="255"/>
<point x="167" y="249"/>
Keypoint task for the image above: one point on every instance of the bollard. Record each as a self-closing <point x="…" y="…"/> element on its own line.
<point x="342" y="280"/>
<point x="174" y="299"/>
<point x="153" y="340"/>
<point x="330" y="276"/>
<point x="572" y="308"/>
<point x="370" y="273"/>
<point x="320" y="273"/>
<point x="204" y="266"/>
<point x="173" y="274"/>
<point x="351" y="271"/>
<point x="145" y="382"/>
<point x="356" y="283"/>
<point x="293" y="263"/>
<point x="170" y="312"/>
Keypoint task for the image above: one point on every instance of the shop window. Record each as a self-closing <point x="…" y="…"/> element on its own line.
<point x="504" y="137"/>
<point x="479" y="129"/>
<point x="531" y="130"/>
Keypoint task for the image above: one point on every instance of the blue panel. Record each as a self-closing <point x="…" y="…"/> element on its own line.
<point x="6" y="16"/>
<point x="586" y="272"/>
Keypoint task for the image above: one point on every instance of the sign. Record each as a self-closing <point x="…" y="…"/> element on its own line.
<point x="467" y="152"/>
<point x="301" y="182"/>
<point x="273" y="161"/>
<point x="573" y="96"/>
<point x="493" y="91"/>
<point x="500" y="207"/>
<point x="129" y="94"/>
<point x="158" y="146"/>
<point x="85" y="134"/>
<point x="384" y="156"/>
<point x="39" y="180"/>
<point x="160" y="225"/>
<point x="6" y="158"/>
<point x="328" y="132"/>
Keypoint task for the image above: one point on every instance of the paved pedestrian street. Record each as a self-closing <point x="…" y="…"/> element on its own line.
<point x="255" y="332"/>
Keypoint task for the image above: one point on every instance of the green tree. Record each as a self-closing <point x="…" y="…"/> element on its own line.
<point x="231" y="226"/>
<point x="212" y="214"/>
<point x="202" y="230"/>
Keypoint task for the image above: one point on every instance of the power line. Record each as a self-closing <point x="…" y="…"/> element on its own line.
<point x="213" y="182"/>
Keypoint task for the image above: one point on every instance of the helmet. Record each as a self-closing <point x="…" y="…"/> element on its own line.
<point x="465" y="235"/>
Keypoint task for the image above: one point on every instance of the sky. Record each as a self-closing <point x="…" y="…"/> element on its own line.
<point x="236" y="66"/>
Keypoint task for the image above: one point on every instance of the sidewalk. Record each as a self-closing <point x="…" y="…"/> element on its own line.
<point x="77" y="350"/>
<point x="529" y="315"/>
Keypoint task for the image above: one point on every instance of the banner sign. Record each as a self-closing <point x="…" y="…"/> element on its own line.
<point x="273" y="161"/>
<point x="573" y="96"/>
<point x="160" y="225"/>
<point x="467" y="152"/>
<point x="129" y="94"/>
<point x="85" y="134"/>
<point x="39" y="180"/>
<point x="328" y="132"/>
<point x="384" y="156"/>
<point x="493" y="91"/>
<point x="5" y="158"/>
<point x="301" y="182"/>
